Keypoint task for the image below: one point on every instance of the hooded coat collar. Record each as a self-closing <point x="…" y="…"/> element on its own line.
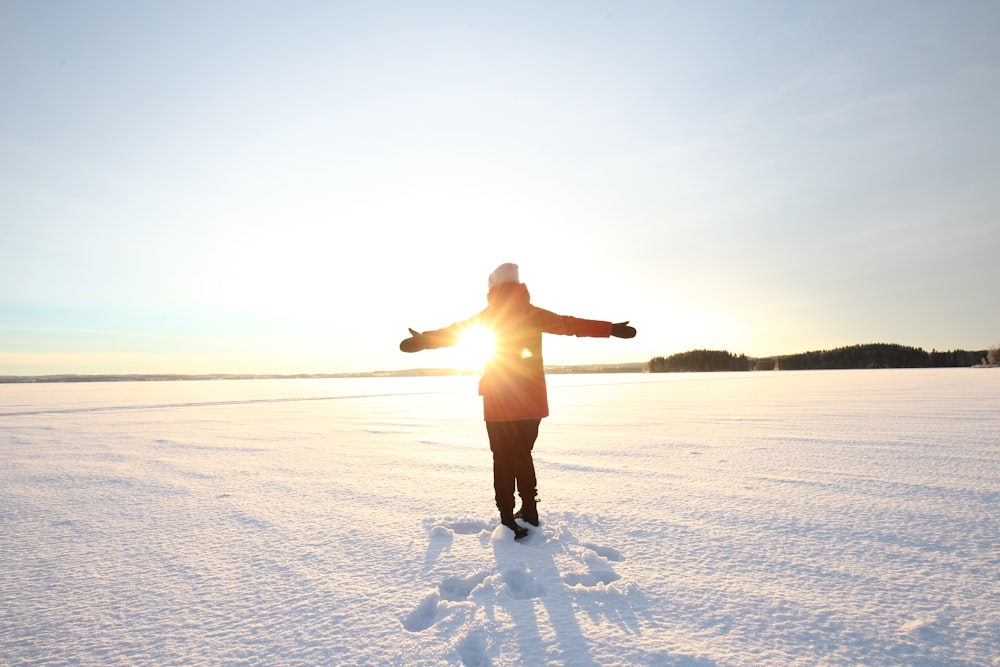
<point x="511" y="296"/>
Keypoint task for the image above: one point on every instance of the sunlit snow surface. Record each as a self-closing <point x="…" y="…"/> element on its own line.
<point x="790" y="518"/>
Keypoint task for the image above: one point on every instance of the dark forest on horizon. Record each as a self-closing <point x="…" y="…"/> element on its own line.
<point x="872" y="355"/>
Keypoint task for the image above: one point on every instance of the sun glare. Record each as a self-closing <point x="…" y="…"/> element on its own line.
<point x="475" y="347"/>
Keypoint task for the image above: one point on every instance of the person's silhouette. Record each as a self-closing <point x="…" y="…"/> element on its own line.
<point x="513" y="383"/>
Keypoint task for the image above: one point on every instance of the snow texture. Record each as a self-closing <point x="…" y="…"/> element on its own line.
<point x="835" y="518"/>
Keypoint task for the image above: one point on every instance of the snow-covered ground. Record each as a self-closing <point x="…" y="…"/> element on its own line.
<point x="807" y="518"/>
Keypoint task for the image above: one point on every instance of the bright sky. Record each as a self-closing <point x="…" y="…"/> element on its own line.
<point x="285" y="187"/>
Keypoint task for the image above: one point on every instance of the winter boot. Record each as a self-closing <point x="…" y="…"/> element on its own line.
<point x="529" y="511"/>
<point x="507" y="519"/>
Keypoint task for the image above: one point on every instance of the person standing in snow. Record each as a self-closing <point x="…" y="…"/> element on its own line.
<point x="513" y="383"/>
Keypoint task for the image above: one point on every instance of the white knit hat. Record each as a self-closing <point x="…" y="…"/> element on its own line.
<point x="505" y="273"/>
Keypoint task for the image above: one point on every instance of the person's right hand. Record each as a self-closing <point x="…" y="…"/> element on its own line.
<point x="416" y="342"/>
<point x="622" y="330"/>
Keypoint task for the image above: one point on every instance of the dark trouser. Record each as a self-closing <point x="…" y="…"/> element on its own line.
<point x="513" y="467"/>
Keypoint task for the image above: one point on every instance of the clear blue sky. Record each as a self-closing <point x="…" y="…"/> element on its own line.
<point x="287" y="186"/>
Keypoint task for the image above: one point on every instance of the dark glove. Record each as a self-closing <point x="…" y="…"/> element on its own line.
<point x="416" y="342"/>
<point x="622" y="330"/>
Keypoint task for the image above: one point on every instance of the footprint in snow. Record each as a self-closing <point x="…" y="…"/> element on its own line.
<point x="472" y="650"/>
<point x="441" y="533"/>
<point x="521" y="584"/>
<point x="460" y="588"/>
<point x="605" y="552"/>
<point x="599" y="570"/>
<point x="591" y="579"/>
<point x="452" y="589"/>
<point x="424" y="615"/>
<point x="468" y="526"/>
<point x="440" y="527"/>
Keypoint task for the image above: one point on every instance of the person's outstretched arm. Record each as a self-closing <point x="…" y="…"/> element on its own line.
<point x="429" y="340"/>
<point x="566" y="325"/>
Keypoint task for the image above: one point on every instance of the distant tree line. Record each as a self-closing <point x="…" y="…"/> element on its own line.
<point x="879" y="355"/>
<point x="699" y="361"/>
<point x="874" y="355"/>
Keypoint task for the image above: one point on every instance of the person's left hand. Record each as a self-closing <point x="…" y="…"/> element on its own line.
<point x="622" y="330"/>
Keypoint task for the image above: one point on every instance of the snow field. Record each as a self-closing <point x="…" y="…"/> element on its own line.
<point x="836" y="518"/>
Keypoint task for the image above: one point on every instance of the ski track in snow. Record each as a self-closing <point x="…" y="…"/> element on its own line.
<point x="835" y="518"/>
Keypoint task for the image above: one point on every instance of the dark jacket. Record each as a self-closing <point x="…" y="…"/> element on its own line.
<point x="513" y="382"/>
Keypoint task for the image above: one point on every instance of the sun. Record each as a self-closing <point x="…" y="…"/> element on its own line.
<point x="475" y="347"/>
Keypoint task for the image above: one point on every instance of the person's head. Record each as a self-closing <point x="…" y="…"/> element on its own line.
<point x="503" y="281"/>
<point x="503" y="275"/>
